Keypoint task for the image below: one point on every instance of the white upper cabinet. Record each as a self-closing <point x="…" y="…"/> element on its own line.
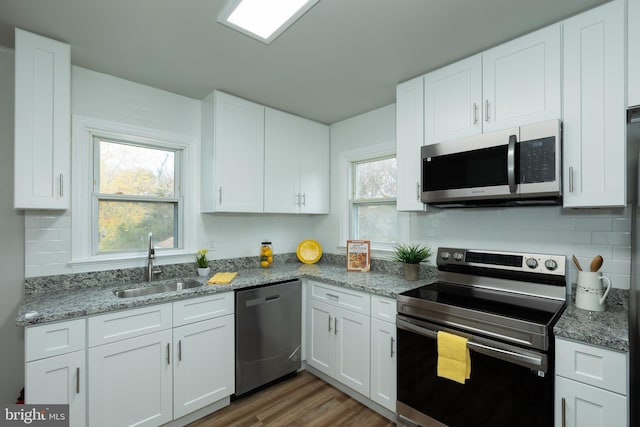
<point x="232" y="154"/>
<point x="521" y="80"/>
<point x="42" y="122"/>
<point x="512" y="84"/>
<point x="453" y="101"/>
<point x="594" y="130"/>
<point x="633" y="53"/>
<point x="296" y="164"/>
<point x="409" y="139"/>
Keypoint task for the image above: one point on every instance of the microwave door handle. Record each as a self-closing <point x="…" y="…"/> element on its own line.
<point x="511" y="163"/>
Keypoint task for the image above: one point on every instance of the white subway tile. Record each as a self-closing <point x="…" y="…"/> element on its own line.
<point x="622" y="224"/>
<point x="612" y="238"/>
<point x="620" y="281"/>
<point x="592" y="250"/>
<point x="594" y="224"/>
<point x="32" y="270"/>
<point x="621" y="253"/>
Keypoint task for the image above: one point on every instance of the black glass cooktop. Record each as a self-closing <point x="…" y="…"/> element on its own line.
<point x="530" y="309"/>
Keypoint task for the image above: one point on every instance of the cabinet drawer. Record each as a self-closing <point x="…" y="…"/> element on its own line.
<point x="383" y="308"/>
<point x="359" y="302"/>
<point x="203" y="308"/>
<point x="120" y="325"/>
<point x="592" y="365"/>
<point x="54" y="339"/>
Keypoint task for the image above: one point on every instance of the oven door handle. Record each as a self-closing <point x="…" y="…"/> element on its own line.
<point x="498" y="353"/>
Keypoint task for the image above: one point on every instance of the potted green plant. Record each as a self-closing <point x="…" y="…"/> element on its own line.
<point x="411" y="255"/>
<point x="202" y="262"/>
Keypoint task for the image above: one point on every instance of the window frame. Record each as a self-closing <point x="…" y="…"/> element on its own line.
<point x="96" y="196"/>
<point x="345" y="160"/>
<point x="83" y="130"/>
<point x="378" y="201"/>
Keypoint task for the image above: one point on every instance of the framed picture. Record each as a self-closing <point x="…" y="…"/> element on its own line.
<point x="358" y="255"/>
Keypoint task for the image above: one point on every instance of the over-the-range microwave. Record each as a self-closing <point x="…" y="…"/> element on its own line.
<point x="518" y="166"/>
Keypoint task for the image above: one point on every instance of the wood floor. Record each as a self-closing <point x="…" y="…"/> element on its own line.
<point x="300" y="401"/>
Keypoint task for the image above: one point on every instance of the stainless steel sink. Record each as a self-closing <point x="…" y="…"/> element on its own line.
<point x="158" y="289"/>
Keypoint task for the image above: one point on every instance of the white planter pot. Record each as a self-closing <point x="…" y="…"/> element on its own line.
<point x="203" y="272"/>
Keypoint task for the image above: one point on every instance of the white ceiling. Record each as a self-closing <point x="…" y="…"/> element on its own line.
<point x="342" y="58"/>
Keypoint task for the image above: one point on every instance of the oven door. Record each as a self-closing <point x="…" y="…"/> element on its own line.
<point x="509" y="386"/>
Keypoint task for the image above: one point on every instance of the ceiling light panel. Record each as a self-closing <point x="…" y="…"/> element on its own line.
<point x="263" y="19"/>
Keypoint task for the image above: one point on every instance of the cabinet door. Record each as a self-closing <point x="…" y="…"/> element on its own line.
<point x="383" y="363"/>
<point x="282" y="169"/>
<point x="633" y="41"/>
<point x="234" y="155"/>
<point x="296" y="164"/>
<point x="59" y="380"/>
<point x="582" y="405"/>
<point x="321" y="343"/>
<point x="594" y="127"/>
<point x="130" y="382"/>
<point x="353" y="350"/>
<point x="313" y="157"/>
<point x="42" y="122"/>
<point x="409" y="139"/>
<point x="521" y="80"/>
<point x="204" y="364"/>
<point x="453" y="97"/>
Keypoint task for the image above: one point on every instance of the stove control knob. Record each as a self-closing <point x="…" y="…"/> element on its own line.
<point x="445" y="255"/>
<point x="457" y="256"/>
<point x="551" y="264"/>
<point x="532" y="263"/>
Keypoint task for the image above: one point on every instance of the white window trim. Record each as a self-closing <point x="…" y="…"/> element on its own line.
<point x="83" y="130"/>
<point x="345" y="161"/>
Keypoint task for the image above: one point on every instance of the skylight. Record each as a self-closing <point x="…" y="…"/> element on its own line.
<point x="263" y="19"/>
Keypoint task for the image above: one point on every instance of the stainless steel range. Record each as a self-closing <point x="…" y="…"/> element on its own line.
<point x="505" y="304"/>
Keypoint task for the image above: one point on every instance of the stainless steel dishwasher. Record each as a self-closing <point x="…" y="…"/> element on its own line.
<point x="268" y="334"/>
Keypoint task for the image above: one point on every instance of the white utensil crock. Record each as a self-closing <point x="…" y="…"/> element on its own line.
<point x="589" y="290"/>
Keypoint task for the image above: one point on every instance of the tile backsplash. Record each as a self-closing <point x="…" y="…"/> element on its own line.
<point x="553" y="230"/>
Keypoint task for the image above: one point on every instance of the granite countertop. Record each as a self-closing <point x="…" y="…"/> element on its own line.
<point x="65" y="304"/>
<point x="609" y="328"/>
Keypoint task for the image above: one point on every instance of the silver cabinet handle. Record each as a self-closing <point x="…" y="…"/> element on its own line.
<point x="392" y="352"/>
<point x="335" y="325"/>
<point x="486" y="110"/>
<point x="475" y="113"/>
<point x="332" y="296"/>
<point x="304" y="199"/>
<point x="78" y="380"/>
<point x="570" y="179"/>
<point x="220" y="195"/>
<point x="418" y="191"/>
<point x="61" y="185"/>
<point x="168" y="355"/>
<point x="511" y="163"/>
<point x="564" y="412"/>
<point x="298" y="199"/>
<point x="329" y="323"/>
<point x="180" y="351"/>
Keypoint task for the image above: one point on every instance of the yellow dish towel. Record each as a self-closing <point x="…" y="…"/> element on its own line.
<point x="222" y="278"/>
<point x="454" y="361"/>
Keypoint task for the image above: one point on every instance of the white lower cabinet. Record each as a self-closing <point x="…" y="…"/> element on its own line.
<point x="383" y="363"/>
<point x="591" y="386"/>
<point x="581" y="405"/>
<point x="59" y="380"/>
<point x="130" y="382"/>
<point x="55" y="369"/>
<point x="338" y="343"/>
<point x="204" y="364"/>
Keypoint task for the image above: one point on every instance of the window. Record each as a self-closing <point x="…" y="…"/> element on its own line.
<point x="136" y="191"/>
<point x="373" y="201"/>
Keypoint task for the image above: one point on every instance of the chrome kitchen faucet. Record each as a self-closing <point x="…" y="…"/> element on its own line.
<point x="150" y="257"/>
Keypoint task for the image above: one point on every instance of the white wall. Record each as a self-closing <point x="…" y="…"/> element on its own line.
<point x="11" y="253"/>
<point x="583" y="232"/>
<point x="104" y="97"/>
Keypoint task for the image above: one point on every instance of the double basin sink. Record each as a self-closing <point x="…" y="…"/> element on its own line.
<point x="178" y="285"/>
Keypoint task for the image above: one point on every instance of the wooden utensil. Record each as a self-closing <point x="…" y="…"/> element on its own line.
<point x="575" y="261"/>
<point x="596" y="263"/>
